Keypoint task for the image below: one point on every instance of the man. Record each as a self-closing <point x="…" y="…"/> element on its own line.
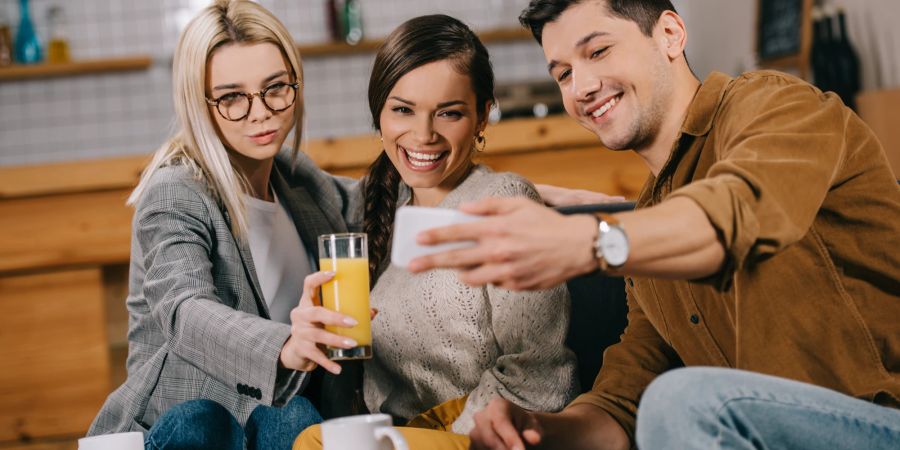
<point x="766" y="240"/>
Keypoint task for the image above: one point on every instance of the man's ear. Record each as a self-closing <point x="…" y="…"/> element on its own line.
<point x="671" y="34"/>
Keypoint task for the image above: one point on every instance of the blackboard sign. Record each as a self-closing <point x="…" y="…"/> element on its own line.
<point x="780" y="31"/>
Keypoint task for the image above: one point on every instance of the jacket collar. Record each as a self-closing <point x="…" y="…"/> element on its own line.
<point x="309" y="218"/>
<point x="706" y="103"/>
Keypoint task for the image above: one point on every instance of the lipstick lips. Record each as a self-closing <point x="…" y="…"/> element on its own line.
<point x="423" y="161"/>
<point x="264" y="137"/>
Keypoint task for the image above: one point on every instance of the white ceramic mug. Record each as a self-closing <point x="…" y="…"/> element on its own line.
<point x="364" y="432"/>
<point x="118" y="441"/>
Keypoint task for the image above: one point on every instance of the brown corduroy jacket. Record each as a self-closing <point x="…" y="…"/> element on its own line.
<point x="801" y="194"/>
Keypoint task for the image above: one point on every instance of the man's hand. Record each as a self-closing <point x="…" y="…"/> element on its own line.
<point x="504" y="426"/>
<point x="559" y="196"/>
<point x="521" y="245"/>
<point x="501" y="425"/>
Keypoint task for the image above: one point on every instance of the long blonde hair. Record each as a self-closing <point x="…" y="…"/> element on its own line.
<point x="196" y="143"/>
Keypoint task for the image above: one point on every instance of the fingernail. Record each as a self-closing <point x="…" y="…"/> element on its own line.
<point x="330" y="273"/>
<point x="349" y="342"/>
<point x="337" y="371"/>
<point x="350" y="321"/>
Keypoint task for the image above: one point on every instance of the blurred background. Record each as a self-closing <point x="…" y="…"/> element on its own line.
<point x="85" y="97"/>
<point x="58" y="117"/>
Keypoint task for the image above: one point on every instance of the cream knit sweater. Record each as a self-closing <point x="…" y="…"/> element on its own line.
<point x="436" y="339"/>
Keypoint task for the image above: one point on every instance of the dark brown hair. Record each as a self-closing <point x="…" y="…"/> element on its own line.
<point x="414" y="43"/>
<point x="645" y="13"/>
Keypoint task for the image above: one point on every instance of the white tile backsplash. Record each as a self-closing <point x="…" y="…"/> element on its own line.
<point x="127" y="113"/>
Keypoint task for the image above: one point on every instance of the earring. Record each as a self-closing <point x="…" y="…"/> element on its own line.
<point x="480" y="142"/>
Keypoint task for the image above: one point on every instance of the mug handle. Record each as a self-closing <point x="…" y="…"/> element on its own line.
<point x="397" y="440"/>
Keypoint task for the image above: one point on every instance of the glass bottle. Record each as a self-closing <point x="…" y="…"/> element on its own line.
<point x="353" y="32"/>
<point x="28" y="48"/>
<point x="333" y="13"/>
<point x="848" y="62"/>
<point x="57" y="44"/>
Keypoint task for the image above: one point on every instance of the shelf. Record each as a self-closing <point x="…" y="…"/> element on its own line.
<point x="29" y="72"/>
<point x="371" y="45"/>
<point x="38" y="71"/>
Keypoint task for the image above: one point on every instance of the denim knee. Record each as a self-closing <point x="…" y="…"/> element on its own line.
<point x="302" y="412"/>
<point x="677" y="400"/>
<point x="197" y="423"/>
<point x="273" y="427"/>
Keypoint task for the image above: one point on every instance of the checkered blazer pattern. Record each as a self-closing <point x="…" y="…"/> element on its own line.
<point x="198" y="325"/>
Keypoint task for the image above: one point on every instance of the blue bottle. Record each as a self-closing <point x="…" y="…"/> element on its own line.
<point x="28" y="48"/>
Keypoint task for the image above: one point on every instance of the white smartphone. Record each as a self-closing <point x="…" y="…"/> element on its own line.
<point x="412" y="220"/>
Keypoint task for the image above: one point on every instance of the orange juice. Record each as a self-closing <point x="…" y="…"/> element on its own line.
<point x="348" y="293"/>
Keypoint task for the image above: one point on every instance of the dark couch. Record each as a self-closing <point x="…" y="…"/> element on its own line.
<point x="599" y="309"/>
<point x="598" y="319"/>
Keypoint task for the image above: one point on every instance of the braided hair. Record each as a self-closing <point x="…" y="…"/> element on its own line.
<point x="414" y="43"/>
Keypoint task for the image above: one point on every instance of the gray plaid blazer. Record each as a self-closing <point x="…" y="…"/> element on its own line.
<point x="198" y="325"/>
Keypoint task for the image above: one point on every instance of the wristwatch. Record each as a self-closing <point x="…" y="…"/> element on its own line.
<point x="611" y="246"/>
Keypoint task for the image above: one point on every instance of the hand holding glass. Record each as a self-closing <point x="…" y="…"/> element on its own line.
<point x="346" y="254"/>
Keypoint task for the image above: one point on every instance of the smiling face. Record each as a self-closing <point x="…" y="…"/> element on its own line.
<point x="614" y="80"/>
<point x="250" y="68"/>
<point x="428" y="125"/>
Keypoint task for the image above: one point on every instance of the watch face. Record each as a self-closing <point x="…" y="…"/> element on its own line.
<point x="614" y="245"/>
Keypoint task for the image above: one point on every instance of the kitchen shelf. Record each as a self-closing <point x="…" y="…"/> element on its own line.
<point x="74" y="68"/>
<point x="133" y="63"/>
<point x="371" y="45"/>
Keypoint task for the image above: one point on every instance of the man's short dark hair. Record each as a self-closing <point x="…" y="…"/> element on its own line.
<point x="645" y="13"/>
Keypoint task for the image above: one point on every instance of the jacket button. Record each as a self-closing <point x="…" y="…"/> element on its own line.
<point x="695" y="319"/>
<point x="258" y="394"/>
<point x="241" y="389"/>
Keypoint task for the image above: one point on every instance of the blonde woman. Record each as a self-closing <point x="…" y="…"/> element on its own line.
<point x="224" y="230"/>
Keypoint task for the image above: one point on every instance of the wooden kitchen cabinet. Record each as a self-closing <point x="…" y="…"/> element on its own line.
<point x="53" y="348"/>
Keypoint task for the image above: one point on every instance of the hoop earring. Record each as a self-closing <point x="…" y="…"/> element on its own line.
<point x="480" y="142"/>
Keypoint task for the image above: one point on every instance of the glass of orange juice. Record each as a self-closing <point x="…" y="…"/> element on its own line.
<point x="348" y="292"/>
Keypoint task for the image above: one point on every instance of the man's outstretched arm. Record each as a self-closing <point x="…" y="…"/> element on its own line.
<point x="523" y="245"/>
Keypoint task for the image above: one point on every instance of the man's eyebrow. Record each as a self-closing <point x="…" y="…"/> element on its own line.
<point x="581" y="42"/>
<point x="553" y="63"/>
<point x="587" y="38"/>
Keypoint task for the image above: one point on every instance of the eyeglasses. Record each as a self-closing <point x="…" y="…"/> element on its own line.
<point x="236" y="106"/>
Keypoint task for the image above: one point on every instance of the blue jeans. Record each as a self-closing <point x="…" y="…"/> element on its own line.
<point x="714" y="408"/>
<point x="205" y="424"/>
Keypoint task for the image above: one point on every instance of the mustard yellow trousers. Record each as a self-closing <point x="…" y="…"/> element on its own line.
<point x="427" y="431"/>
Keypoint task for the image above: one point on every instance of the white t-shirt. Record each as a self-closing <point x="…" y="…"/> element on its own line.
<point x="278" y="253"/>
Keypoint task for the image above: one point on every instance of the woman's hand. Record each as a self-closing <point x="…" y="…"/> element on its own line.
<point x="303" y="349"/>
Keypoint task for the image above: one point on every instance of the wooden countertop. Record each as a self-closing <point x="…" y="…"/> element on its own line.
<point x="332" y="154"/>
<point x="73" y="214"/>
